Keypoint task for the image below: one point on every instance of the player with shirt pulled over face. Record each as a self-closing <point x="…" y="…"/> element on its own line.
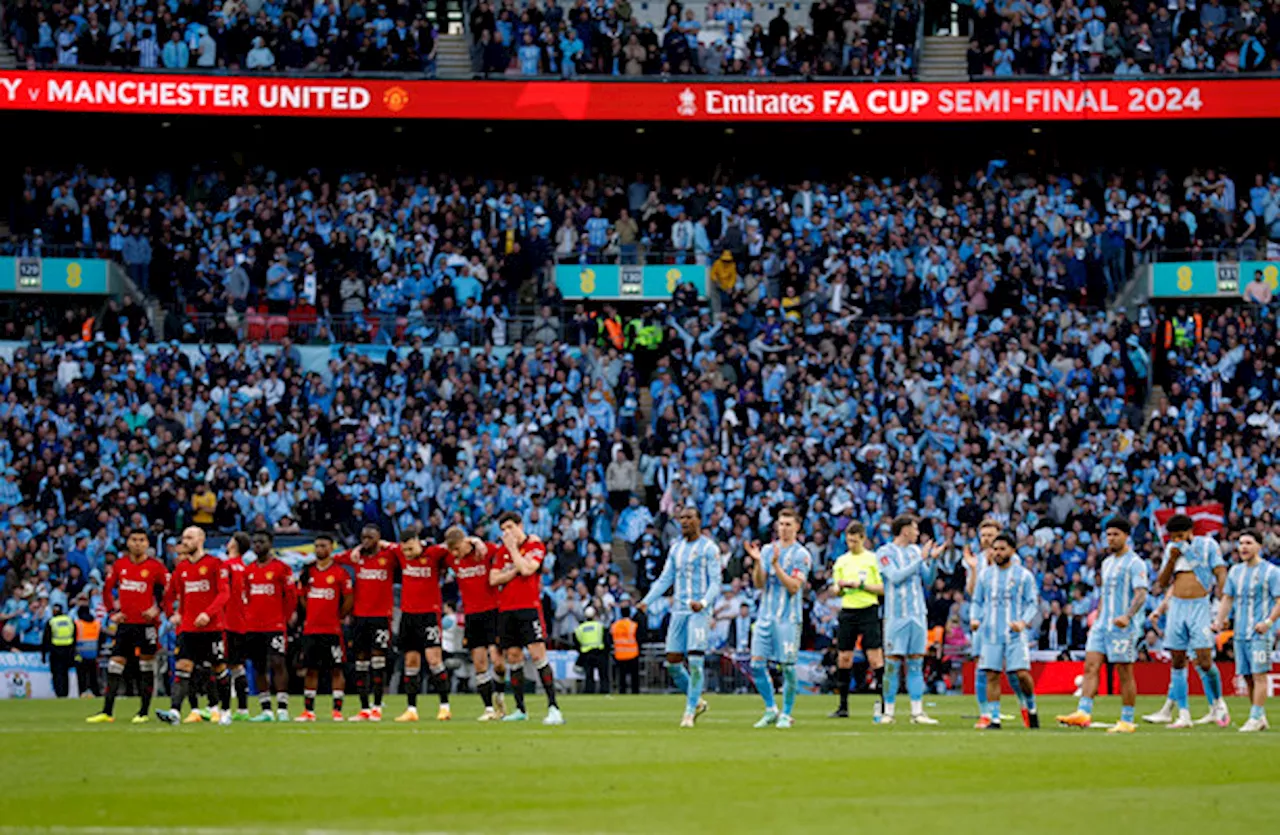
<point x="1193" y="565"/>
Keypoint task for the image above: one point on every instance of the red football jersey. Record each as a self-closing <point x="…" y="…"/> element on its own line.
<point x="273" y="596"/>
<point x="472" y="572"/>
<point x="375" y="581"/>
<point x="324" y="590"/>
<point x="523" y="592"/>
<point x="238" y="601"/>
<point x="420" y="580"/>
<point x="196" y="587"/>
<point x="135" y="584"/>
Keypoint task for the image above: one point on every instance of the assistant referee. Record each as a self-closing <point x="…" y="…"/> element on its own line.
<point x="856" y="579"/>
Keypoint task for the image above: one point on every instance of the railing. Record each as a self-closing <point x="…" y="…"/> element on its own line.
<point x="369" y="327"/>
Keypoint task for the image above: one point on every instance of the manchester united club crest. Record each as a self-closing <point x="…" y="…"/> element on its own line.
<point x="145" y="573"/>
<point x="270" y="574"/>
<point x="329" y="579"/>
<point x="382" y="561"/>
<point x="396" y="99"/>
<point x="204" y="570"/>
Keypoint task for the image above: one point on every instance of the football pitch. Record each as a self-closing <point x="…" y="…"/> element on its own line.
<point x="622" y="765"/>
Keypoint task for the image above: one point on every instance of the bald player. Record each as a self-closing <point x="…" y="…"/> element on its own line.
<point x="199" y="589"/>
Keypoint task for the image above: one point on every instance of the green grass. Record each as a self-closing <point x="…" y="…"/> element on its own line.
<point x="622" y="765"/>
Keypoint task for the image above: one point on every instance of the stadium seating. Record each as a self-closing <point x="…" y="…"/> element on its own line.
<point x="960" y="368"/>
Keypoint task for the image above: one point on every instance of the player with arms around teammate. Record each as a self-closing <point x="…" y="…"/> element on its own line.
<point x="856" y="578"/>
<point x="907" y="568"/>
<point x="1114" y="636"/>
<point x="133" y="588"/>
<point x="374" y="563"/>
<point x="234" y="615"/>
<point x="200" y="587"/>
<point x="517" y="567"/>
<point x="692" y="570"/>
<point x="469" y="559"/>
<point x="421" y="610"/>
<point x="1192" y="566"/>
<point x="272" y="606"/>
<point x="327" y="597"/>
<point x="1251" y="599"/>
<point x="1004" y="604"/>
<point x="775" y="636"/>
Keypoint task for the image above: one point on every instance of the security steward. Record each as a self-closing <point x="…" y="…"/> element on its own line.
<point x="626" y="651"/>
<point x="59" y="649"/>
<point x="592" y="658"/>
<point x="88" y="634"/>
<point x="856" y="578"/>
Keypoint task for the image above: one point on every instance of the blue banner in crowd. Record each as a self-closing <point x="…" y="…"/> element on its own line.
<point x="24" y="676"/>
<point x="76" y="276"/>
<point x="1218" y="279"/>
<point x="628" y="282"/>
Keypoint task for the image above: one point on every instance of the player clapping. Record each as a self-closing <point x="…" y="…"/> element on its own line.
<point x="1251" y="600"/>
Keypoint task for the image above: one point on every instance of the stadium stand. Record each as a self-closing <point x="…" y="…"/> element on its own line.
<point x="880" y="347"/>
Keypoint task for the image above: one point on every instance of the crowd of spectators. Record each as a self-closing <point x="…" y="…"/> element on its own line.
<point x="1072" y="39"/>
<point x="867" y="40"/>
<point x="237" y="35"/>
<point x="880" y="347"/>
<point x="430" y="256"/>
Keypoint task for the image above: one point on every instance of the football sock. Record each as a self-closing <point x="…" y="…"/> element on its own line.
<point x="181" y="682"/>
<point x="980" y="689"/>
<point x="146" y="684"/>
<point x="1211" y="681"/>
<point x="212" y="691"/>
<point x="379" y="665"/>
<point x="282" y="701"/>
<point x="877" y="681"/>
<point x="309" y="700"/>
<point x="362" y="683"/>
<point x="499" y="680"/>
<point x="1178" y="687"/>
<point x="1028" y="701"/>
<point x="764" y="684"/>
<point x="241" y="684"/>
<point x="411" y="675"/>
<point x="484" y="686"/>
<point x="114" y="673"/>
<point x="517" y="686"/>
<point x="224" y="689"/>
<point x="697" y="667"/>
<point x="1126" y="713"/>
<point x="790" y="687"/>
<point x="842" y="685"/>
<point x="440" y="680"/>
<point x="1015" y="687"/>
<point x="993" y="711"/>
<point x="264" y="702"/>
<point x="1085" y="705"/>
<point x="915" y="680"/>
<point x="337" y="700"/>
<point x="890" y="689"/>
<point x="548" y="677"/>
<point x="1257" y="712"/>
<point x="679" y="676"/>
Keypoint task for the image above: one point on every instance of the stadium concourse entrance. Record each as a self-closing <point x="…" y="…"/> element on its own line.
<point x="569" y="152"/>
